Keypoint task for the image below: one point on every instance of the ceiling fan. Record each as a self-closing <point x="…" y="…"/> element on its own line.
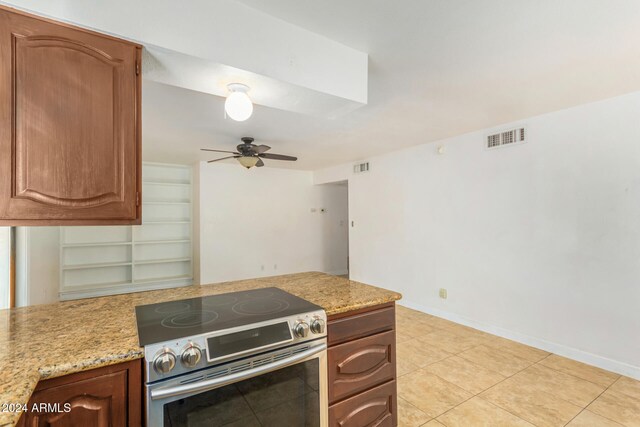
<point x="249" y="154"/>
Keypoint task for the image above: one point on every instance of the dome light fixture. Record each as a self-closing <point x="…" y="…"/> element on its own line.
<point x="248" y="161"/>
<point x="238" y="105"/>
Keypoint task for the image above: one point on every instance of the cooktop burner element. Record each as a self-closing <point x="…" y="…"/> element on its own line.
<point x="188" y="319"/>
<point x="178" y="319"/>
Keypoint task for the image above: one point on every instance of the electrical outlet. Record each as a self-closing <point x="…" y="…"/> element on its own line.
<point x="275" y="266"/>
<point x="443" y="293"/>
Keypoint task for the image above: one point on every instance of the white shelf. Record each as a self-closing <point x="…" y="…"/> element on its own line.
<point x="143" y="251"/>
<point x="162" y="261"/>
<point x="161" y="242"/>
<point x="96" y="265"/>
<point x="164" y="279"/>
<point x="167" y="183"/>
<point x="121" y="288"/>
<point x="105" y="285"/>
<point x="86" y="245"/>
<point x="165" y="202"/>
<point x="165" y="222"/>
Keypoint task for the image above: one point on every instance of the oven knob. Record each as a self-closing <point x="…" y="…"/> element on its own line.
<point x="191" y="356"/>
<point x="164" y="362"/>
<point x="317" y="326"/>
<point x="301" y="329"/>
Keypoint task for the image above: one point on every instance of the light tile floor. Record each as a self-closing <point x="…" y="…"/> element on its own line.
<point x="452" y="375"/>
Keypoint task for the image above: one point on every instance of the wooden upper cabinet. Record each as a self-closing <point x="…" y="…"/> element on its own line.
<point x="69" y="124"/>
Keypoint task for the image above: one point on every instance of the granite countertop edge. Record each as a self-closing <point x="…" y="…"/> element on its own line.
<point x="335" y="294"/>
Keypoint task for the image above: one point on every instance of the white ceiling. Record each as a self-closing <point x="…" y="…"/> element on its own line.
<point x="437" y="68"/>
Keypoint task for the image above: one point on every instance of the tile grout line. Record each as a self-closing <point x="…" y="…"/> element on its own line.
<point x="419" y="410"/>
<point x="498" y="406"/>
<point x="597" y="397"/>
<point x="516" y="373"/>
<point x="478" y="394"/>
<point x="511" y="376"/>
<point x="575" y="376"/>
<point x="531" y="363"/>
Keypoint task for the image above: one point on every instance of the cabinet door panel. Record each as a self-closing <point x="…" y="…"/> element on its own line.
<point x="361" y="364"/>
<point x="67" y="165"/>
<point x="108" y="396"/>
<point x="69" y="123"/>
<point x="99" y="401"/>
<point x="376" y="407"/>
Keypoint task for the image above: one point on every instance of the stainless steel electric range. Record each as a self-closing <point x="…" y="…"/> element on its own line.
<point x="251" y="358"/>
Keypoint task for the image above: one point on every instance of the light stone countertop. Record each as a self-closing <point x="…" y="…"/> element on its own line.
<point x="52" y="340"/>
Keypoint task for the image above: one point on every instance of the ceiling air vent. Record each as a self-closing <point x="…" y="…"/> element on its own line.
<point x="507" y="137"/>
<point x="493" y="140"/>
<point x="361" y="167"/>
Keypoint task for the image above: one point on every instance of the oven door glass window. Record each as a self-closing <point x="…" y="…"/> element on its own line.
<point x="286" y="397"/>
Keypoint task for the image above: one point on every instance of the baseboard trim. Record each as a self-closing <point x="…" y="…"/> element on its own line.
<point x="338" y="272"/>
<point x="552" y="347"/>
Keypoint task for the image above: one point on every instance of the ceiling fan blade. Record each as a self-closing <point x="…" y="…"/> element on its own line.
<point x="259" y="149"/>
<point x="260" y="163"/>
<point x="223" y="158"/>
<point x="219" y="151"/>
<point x="277" y="157"/>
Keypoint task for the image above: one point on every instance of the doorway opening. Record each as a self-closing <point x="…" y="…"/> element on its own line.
<point x="336" y="228"/>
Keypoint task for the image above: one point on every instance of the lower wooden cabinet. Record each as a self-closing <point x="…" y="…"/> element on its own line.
<point x="358" y="365"/>
<point x="362" y="368"/>
<point x="375" y="407"/>
<point x="103" y="397"/>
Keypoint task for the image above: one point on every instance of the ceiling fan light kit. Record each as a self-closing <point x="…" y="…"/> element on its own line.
<point x="250" y="155"/>
<point x="248" y="162"/>
<point x="238" y="105"/>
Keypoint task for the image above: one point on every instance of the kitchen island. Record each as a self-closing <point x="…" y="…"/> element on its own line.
<point x="54" y="340"/>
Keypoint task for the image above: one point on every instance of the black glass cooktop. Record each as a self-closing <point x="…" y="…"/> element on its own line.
<point x="180" y="319"/>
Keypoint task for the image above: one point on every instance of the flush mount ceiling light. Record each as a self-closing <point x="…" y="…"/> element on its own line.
<point x="238" y="105"/>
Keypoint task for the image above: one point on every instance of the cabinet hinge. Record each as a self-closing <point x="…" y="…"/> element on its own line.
<point x="137" y="198"/>
<point x="137" y="68"/>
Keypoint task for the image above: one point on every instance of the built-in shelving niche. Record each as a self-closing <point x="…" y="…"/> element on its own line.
<point x="118" y="259"/>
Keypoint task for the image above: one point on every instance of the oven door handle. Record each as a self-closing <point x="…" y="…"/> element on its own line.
<point x="201" y="386"/>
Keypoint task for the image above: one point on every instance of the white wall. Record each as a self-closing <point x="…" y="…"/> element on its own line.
<point x="5" y="257"/>
<point x="37" y="265"/>
<point x="538" y="242"/>
<point x="259" y="222"/>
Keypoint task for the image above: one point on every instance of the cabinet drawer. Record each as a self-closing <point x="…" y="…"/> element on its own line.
<point x="360" y="325"/>
<point x="361" y="364"/>
<point x="376" y="407"/>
